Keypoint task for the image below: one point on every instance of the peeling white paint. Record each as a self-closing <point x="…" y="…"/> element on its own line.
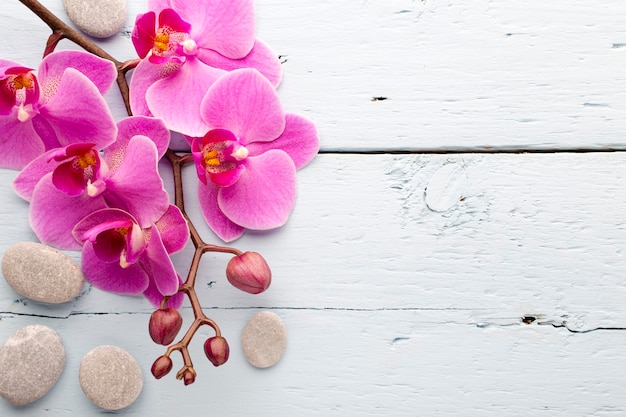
<point x="445" y="188"/>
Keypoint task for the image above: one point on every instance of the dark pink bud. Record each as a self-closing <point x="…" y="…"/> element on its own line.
<point x="161" y="367"/>
<point x="249" y="272"/>
<point x="217" y="350"/>
<point x="189" y="377"/>
<point x="164" y="325"/>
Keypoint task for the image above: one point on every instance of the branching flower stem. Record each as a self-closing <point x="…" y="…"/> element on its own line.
<point x="61" y="30"/>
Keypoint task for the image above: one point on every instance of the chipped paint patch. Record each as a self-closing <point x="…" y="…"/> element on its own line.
<point x="446" y="187"/>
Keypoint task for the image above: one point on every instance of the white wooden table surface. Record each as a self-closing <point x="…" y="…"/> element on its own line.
<point x="458" y="249"/>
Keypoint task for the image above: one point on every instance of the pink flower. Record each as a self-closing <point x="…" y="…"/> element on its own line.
<point x="122" y="257"/>
<point x="76" y="181"/>
<point x="60" y="105"/>
<point x="187" y="46"/>
<point x="247" y="161"/>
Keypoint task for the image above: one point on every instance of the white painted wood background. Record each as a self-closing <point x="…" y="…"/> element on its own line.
<point x="404" y="279"/>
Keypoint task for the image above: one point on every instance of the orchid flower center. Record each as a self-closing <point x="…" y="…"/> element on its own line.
<point x="223" y="156"/>
<point x="79" y="170"/>
<point x="165" y="39"/>
<point x="166" y="42"/>
<point x="219" y="155"/>
<point x="23" y="81"/>
<point x="87" y="160"/>
<point x="119" y="239"/>
<point x="19" y="88"/>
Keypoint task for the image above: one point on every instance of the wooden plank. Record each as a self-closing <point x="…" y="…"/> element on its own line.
<point x="382" y="363"/>
<point x="497" y="236"/>
<point x="456" y="74"/>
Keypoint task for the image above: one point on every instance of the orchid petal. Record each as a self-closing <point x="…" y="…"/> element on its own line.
<point x="265" y="193"/>
<point x="158" y="5"/>
<point x="170" y="18"/>
<point x="46" y="132"/>
<point x="27" y="178"/>
<point x="136" y="185"/>
<point x="221" y="225"/>
<point x="19" y="142"/>
<point x="158" y="265"/>
<point x="78" y="113"/>
<point x="153" y="295"/>
<point x="226" y="27"/>
<point x="128" y="127"/>
<point x="144" y="33"/>
<point x="173" y="229"/>
<point x="110" y="276"/>
<point x="299" y="140"/>
<point x="143" y="76"/>
<point x="177" y="98"/>
<point x="101" y="72"/>
<point x="246" y="103"/>
<point x="53" y="214"/>
<point x="8" y="63"/>
<point x="261" y="58"/>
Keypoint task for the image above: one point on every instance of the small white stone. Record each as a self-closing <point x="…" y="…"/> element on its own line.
<point x="97" y="18"/>
<point x="41" y="273"/>
<point x="264" y="339"/>
<point x="31" y="361"/>
<point x="110" y="377"/>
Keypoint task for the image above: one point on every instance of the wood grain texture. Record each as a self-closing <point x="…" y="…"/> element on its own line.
<point x="456" y="74"/>
<point x="392" y="307"/>
<point x="414" y="284"/>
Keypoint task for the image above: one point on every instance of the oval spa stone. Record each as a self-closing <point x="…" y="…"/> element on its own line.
<point x="97" y="18"/>
<point x="110" y="377"/>
<point x="41" y="273"/>
<point x="31" y="361"/>
<point x="263" y="339"/>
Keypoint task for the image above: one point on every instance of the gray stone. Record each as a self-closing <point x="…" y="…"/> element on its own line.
<point x="97" y="18"/>
<point x="41" y="273"/>
<point x="263" y="339"/>
<point x="31" y="361"/>
<point x="110" y="377"/>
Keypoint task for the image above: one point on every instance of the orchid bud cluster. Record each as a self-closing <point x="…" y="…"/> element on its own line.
<point x="247" y="271"/>
<point x="93" y="182"/>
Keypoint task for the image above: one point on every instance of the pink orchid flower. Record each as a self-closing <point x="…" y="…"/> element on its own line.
<point x="247" y="161"/>
<point x="59" y="105"/>
<point x="187" y="46"/>
<point x="122" y="257"/>
<point x="77" y="180"/>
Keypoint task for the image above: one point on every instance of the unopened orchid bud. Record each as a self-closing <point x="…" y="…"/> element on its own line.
<point x="217" y="350"/>
<point x="249" y="272"/>
<point x="189" y="377"/>
<point x="164" y="325"/>
<point x="161" y="367"/>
